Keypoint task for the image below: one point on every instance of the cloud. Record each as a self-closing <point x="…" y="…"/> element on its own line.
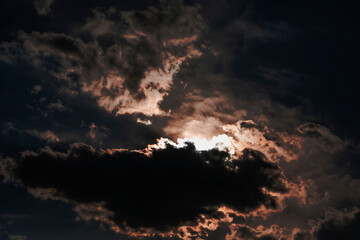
<point x="10" y="52"/>
<point x="47" y="135"/>
<point x="43" y="6"/>
<point x="329" y="190"/>
<point x="58" y="105"/>
<point x="145" y="122"/>
<point x="8" y="126"/>
<point x="129" y="69"/>
<point x="335" y="224"/>
<point x="240" y="232"/>
<point x="250" y="32"/>
<point x="339" y="225"/>
<point x="200" y="116"/>
<point x="36" y="89"/>
<point x="97" y="133"/>
<point x="5" y="234"/>
<point x="166" y="189"/>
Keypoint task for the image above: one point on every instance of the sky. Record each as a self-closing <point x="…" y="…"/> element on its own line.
<point x="179" y="119"/>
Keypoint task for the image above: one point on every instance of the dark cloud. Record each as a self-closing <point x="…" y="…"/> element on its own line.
<point x="52" y="44"/>
<point x="171" y="187"/>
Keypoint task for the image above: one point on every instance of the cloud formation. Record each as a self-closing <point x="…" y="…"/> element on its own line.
<point x="126" y="60"/>
<point x="167" y="189"/>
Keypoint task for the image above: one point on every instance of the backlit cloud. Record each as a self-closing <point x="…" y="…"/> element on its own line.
<point x="162" y="191"/>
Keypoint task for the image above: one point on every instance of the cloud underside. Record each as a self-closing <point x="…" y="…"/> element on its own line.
<point x="169" y="188"/>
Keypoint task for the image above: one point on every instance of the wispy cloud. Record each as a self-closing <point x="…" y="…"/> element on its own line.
<point x="43" y="6"/>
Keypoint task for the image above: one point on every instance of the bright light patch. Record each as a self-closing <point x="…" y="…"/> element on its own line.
<point x="221" y="142"/>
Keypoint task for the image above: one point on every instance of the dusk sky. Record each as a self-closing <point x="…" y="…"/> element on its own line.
<point x="179" y="119"/>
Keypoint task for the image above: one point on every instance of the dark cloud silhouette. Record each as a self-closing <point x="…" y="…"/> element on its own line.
<point x="171" y="187"/>
<point x="52" y="43"/>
